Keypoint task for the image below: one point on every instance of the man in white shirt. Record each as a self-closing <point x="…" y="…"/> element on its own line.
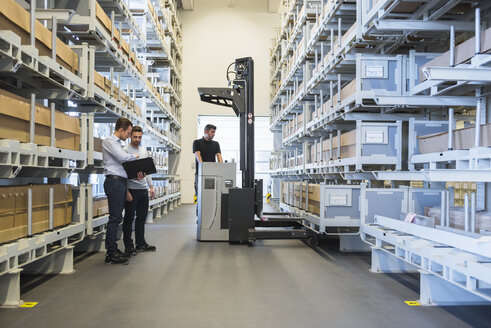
<point x="137" y="201"/>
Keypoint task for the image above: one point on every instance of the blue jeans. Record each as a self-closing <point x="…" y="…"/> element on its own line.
<point x="115" y="190"/>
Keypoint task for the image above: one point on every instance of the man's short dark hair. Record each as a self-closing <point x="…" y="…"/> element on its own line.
<point x="209" y="127"/>
<point x="137" y="128"/>
<point x="123" y="123"/>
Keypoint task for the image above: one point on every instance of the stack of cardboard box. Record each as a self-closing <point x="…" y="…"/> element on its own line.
<point x="13" y="209"/>
<point x="291" y="127"/>
<point x="102" y="17"/>
<point x="462" y="53"/>
<point x="15" y="18"/>
<point x="105" y="84"/>
<point x="15" y="117"/>
<point x="462" y="139"/>
<point x="460" y="189"/>
<point x="295" y="194"/>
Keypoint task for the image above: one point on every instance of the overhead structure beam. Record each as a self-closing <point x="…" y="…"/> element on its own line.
<point x="458" y="74"/>
<point x="426" y="101"/>
<point x="417" y="25"/>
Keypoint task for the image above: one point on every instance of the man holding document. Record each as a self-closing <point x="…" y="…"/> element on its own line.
<point x="115" y="185"/>
<point x="137" y="200"/>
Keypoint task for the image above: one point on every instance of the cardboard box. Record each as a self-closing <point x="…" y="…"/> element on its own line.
<point x="347" y="34"/>
<point x="15" y="117"/>
<point x="346" y="91"/>
<point x="99" y="80"/>
<point x="138" y="110"/>
<point x="124" y="99"/>
<point x="325" y="144"/>
<point x="125" y="47"/>
<point x="13" y="209"/>
<point x="348" y="145"/>
<point x="107" y="82"/>
<point x="314" y="208"/>
<point x="462" y="139"/>
<point x="138" y="65"/>
<point x="463" y="52"/>
<point x="15" y="18"/>
<point x="117" y="36"/>
<point x="115" y="92"/>
<point x="98" y="144"/>
<point x="107" y="85"/>
<point x="300" y="188"/>
<point x="151" y="8"/>
<point x="102" y="17"/>
<point x="99" y="206"/>
<point x="149" y="85"/>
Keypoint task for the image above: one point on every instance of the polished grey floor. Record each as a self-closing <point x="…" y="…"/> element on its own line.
<point x="191" y="284"/>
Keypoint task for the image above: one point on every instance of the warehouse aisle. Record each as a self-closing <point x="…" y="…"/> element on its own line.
<point x="191" y="284"/>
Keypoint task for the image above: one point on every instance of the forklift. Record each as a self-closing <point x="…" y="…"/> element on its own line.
<point x="237" y="214"/>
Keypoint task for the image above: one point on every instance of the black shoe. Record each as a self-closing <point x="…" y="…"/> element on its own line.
<point x="129" y="252"/>
<point x="123" y="254"/>
<point x="116" y="258"/>
<point x="145" y="248"/>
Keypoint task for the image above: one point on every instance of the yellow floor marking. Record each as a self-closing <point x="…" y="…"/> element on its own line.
<point x="29" y="304"/>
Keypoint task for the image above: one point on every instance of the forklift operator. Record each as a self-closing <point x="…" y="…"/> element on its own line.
<point x="205" y="150"/>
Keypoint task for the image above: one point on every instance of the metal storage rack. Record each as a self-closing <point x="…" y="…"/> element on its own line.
<point x="337" y="65"/>
<point x="153" y="86"/>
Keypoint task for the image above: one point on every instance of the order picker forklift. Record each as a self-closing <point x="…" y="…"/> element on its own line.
<point x="241" y="218"/>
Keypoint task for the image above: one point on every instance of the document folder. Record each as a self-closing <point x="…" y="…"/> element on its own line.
<point x="144" y="165"/>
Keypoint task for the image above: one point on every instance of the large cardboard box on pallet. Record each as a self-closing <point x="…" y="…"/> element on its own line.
<point x="462" y="139"/>
<point x="15" y="18"/>
<point x="13" y="209"/>
<point x="15" y="117"/>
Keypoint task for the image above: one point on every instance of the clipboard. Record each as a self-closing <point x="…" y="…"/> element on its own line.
<point x="144" y="165"/>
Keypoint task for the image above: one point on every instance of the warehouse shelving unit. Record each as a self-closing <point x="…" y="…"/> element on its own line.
<point x="109" y="82"/>
<point x="338" y="66"/>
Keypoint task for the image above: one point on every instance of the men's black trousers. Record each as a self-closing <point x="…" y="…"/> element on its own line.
<point x="138" y="206"/>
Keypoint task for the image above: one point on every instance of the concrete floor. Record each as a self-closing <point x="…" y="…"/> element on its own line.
<point x="191" y="284"/>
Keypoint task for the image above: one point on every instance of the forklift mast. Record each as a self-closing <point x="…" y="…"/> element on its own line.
<point x="241" y="98"/>
<point x="241" y="222"/>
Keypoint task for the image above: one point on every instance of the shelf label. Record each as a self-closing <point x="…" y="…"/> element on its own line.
<point x="412" y="303"/>
<point x="375" y="137"/>
<point x="338" y="200"/>
<point x="374" y="71"/>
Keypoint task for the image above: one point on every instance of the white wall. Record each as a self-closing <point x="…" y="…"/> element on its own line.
<point x="214" y="34"/>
